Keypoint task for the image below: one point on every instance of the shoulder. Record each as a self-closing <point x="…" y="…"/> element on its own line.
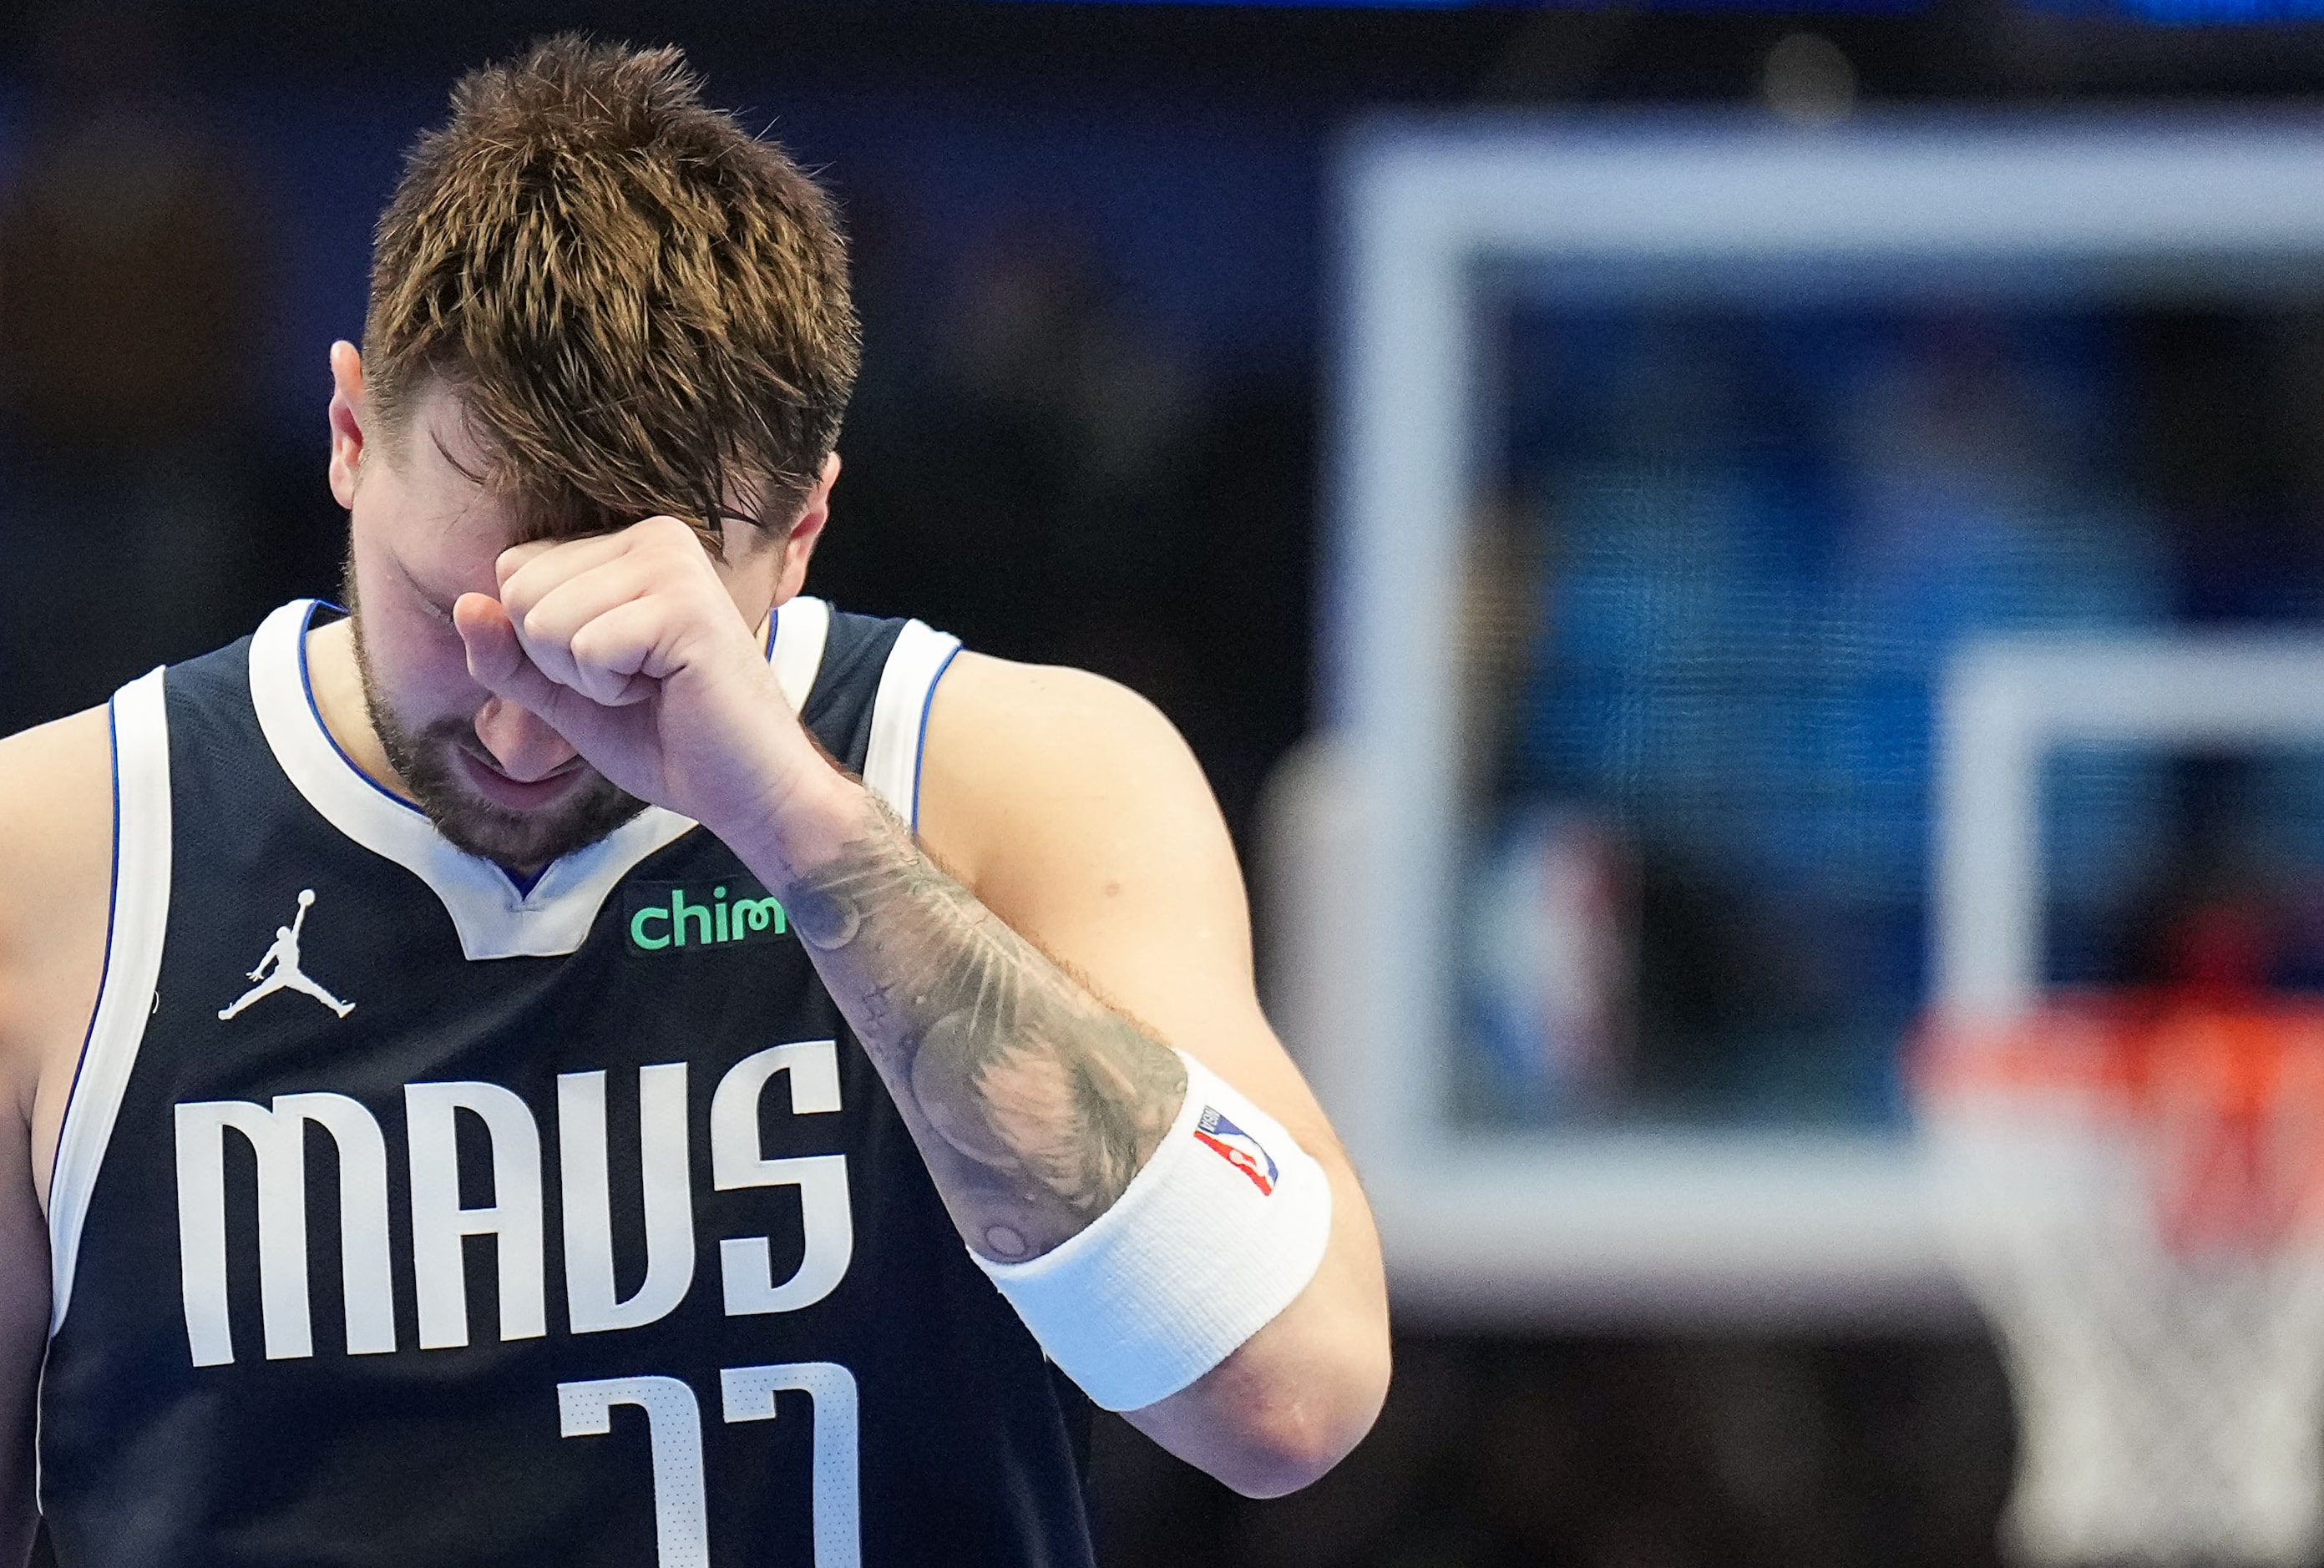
<point x="1051" y="707"/>
<point x="1073" y="810"/>
<point x="56" y="805"/>
<point x="1021" y="753"/>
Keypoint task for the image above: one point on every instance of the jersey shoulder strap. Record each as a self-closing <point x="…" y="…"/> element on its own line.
<point x="869" y="705"/>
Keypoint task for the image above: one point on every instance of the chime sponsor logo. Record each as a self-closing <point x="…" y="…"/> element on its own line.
<point x="667" y="917"/>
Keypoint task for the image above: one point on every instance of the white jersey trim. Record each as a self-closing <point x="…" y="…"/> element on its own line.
<point x="801" y="629"/>
<point x="899" y="716"/>
<point x="139" y="921"/>
<point x="493" y="918"/>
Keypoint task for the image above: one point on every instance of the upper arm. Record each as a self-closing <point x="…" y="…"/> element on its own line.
<point x="56" y="845"/>
<point x="1073" y="811"/>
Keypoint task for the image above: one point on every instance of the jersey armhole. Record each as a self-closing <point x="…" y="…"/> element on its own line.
<point x="899" y="716"/>
<point x="137" y="922"/>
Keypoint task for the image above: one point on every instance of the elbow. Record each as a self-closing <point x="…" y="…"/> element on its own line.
<point x="1281" y="1469"/>
<point x="1291" y="1443"/>
<point x="1291" y="1402"/>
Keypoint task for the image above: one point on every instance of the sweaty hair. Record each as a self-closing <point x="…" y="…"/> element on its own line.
<point x="641" y="308"/>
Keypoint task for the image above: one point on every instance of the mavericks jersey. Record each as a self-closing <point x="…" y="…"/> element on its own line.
<point x="403" y="1216"/>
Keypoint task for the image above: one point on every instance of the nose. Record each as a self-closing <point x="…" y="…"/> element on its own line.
<point x="525" y="747"/>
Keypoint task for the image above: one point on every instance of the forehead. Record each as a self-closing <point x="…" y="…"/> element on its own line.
<point x="439" y="512"/>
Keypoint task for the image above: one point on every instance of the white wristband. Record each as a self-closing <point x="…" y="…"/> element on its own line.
<point x="1222" y="1227"/>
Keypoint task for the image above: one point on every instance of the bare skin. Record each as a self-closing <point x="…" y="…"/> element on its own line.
<point x="1070" y="904"/>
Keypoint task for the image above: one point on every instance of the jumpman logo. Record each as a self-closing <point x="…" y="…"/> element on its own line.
<point x="279" y="971"/>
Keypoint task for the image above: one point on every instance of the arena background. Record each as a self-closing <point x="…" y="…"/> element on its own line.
<point x="1101" y="260"/>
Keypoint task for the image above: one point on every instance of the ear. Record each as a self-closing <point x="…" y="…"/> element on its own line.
<point x="346" y="421"/>
<point x="798" y="545"/>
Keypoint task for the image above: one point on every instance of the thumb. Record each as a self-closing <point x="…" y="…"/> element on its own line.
<point x="498" y="661"/>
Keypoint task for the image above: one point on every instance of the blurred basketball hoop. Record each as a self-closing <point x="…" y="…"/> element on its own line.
<point x="2135" y="1192"/>
<point x="2133" y="1185"/>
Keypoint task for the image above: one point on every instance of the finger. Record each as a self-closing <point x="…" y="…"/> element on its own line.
<point x="547" y="627"/>
<point x="533" y="569"/>
<point x="497" y="661"/>
<point x="621" y="652"/>
<point x="506" y="564"/>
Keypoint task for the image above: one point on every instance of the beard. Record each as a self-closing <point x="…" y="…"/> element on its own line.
<point x="521" y="841"/>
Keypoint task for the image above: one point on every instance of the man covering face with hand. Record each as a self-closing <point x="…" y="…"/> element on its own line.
<point x="592" y="1055"/>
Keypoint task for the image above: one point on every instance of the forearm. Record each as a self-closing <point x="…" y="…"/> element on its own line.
<point x="1033" y="1103"/>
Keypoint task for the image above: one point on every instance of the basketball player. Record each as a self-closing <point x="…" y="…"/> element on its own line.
<point x="728" y="1081"/>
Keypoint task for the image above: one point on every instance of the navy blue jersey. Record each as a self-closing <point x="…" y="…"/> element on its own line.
<point x="406" y="1216"/>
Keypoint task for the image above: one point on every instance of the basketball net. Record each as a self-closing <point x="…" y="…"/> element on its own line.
<point x="2135" y="1191"/>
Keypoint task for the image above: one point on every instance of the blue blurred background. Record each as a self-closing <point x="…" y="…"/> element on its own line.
<point x="1726" y="552"/>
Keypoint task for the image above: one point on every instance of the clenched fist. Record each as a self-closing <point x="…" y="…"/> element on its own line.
<point x="630" y="646"/>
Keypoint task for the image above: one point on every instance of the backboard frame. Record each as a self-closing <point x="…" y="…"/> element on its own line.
<point x="1684" y="1226"/>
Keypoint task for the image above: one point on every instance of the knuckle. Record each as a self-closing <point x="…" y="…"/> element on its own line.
<point x="596" y="652"/>
<point x="678" y="539"/>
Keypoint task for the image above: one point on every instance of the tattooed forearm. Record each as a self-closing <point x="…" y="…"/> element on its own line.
<point x="1033" y="1103"/>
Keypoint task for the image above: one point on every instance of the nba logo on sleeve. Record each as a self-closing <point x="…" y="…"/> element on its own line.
<point x="1237" y="1148"/>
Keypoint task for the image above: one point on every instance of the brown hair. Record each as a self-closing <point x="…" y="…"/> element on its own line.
<point x="642" y="308"/>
